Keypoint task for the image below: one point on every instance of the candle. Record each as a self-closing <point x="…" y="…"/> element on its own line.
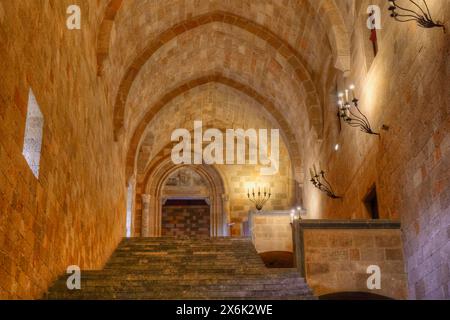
<point x="341" y="98"/>
<point x="346" y="96"/>
<point x="312" y="173"/>
<point x="315" y="169"/>
<point x="352" y="88"/>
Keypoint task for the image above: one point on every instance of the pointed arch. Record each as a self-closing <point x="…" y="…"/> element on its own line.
<point x="292" y="57"/>
<point x="134" y="143"/>
<point x="104" y="35"/>
<point x="153" y="187"/>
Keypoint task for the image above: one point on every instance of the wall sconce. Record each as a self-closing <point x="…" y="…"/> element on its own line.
<point x="259" y="198"/>
<point x="296" y="214"/>
<point x="352" y="115"/>
<point x="301" y="211"/>
<point x="320" y="182"/>
<point x="293" y="215"/>
<point x="416" y="13"/>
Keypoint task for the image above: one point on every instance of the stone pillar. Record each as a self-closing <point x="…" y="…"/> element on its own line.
<point x="226" y="215"/>
<point x="145" y="215"/>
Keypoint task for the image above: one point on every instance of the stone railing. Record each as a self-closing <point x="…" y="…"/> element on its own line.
<point x="335" y="255"/>
<point x="271" y="231"/>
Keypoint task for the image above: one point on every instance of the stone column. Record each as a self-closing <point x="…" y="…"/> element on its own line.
<point x="226" y="215"/>
<point x="145" y="215"/>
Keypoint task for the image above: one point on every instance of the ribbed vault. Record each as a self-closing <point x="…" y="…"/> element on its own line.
<point x="213" y="78"/>
<point x="296" y="30"/>
<point x="281" y="55"/>
<point x="217" y="105"/>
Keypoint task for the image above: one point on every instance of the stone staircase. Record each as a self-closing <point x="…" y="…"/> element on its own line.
<point x="186" y="269"/>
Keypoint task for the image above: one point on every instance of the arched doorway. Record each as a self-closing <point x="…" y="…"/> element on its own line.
<point x="183" y="186"/>
<point x="186" y="210"/>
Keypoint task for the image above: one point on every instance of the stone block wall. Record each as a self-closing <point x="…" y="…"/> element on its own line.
<point x="271" y="231"/>
<point x="404" y="87"/>
<point x="337" y="259"/>
<point x="74" y="214"/>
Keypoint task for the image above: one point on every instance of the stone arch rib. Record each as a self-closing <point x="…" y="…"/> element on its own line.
<point x="338" y="32"/>
<point x="282" y="47"/>
<point x="291" y="140"/>
<point x="104" y="35"/>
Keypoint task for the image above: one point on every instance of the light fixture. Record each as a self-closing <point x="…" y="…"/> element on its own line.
<point x="419" y="12"/>
<point x="259" y="199"/>
<point x="300" y="211"/>
<point x="336" y="147"/>
<point x="351" y="114"/>
<point x="320" y="182"/>
<point x="292" y="215"/>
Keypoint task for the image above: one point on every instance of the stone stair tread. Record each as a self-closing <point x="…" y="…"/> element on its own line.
<point x="185" y="269"/>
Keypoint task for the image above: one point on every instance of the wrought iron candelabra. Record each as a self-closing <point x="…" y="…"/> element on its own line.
<point x="320" y="182"/>
<point x="351" y="114"/>
<point x="259" y="198"/>
<point x="418" y="13"/>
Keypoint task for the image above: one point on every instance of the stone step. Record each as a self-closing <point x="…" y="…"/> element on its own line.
<point x="187" y="282"/>
<point x="137" y="275"/>
<point x="185" y="297"/>
<point x="187" y="258"/>
<point x="187" y="269"/>
<point x="146" y="287"/>
<point x="187" y="264"/>
<point x="185" y="291"/>
<point x="114" y="293"/>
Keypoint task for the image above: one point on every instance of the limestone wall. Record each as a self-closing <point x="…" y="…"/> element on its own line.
<point x="74" y="214"/>
<point x="406" y="88"/>
<point x="271" y="231"/>
<point x="336" y="259"/>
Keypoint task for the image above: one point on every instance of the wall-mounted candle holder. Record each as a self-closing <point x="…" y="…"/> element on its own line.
<point x="418" y="12"/>
<point x="351" y="114"/>
<point x="259" y="198"/>
<point x="319" y="181"/>
<point x="297" y="213"/>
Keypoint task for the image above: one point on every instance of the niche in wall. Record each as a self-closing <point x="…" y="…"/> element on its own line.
<point x="371" y="203"/>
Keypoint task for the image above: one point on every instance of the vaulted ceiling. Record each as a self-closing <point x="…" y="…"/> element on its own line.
<point x="279" y="54"/>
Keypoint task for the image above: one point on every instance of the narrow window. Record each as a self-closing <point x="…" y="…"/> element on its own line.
<point x="130" y="194"/>
<point x="373" y="34"/>
<point x="33" y="135"/>
<point x="371" y="203"/>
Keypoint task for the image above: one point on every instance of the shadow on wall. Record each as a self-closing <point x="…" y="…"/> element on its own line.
<point x="353" y="296"/>
<point x="278" y="259"/>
